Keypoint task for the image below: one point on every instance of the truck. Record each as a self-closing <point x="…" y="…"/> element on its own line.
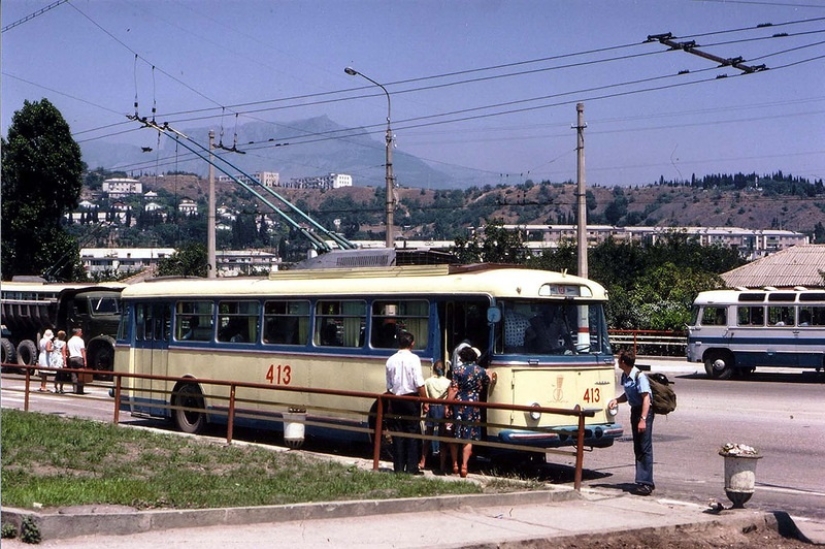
<point x="28" y="308"/>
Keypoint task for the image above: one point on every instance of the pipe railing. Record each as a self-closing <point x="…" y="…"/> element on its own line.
<point x="377" y="432"/>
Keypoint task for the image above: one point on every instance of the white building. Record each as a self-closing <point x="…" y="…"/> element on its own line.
<point x="188" y="206"/>
<point x="119" y="187"/>
<point x="230" y="263"/>
<point x="751" y="243"/>
<point x="329" y="181"/>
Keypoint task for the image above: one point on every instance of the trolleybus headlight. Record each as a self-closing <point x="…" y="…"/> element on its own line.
<point x="536" y="415"/>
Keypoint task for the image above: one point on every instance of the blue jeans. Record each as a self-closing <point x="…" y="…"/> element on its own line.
<point x="643" y="446"/>
<point x="434" y="426"/>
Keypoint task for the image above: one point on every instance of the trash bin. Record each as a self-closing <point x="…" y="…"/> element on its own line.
<point x="294" y="422"/>
<point x="740" y="472"/>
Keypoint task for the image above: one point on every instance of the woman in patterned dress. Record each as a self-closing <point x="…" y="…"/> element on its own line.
<point x="468" y="382"/>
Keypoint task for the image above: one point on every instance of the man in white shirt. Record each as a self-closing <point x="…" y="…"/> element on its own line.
<point x="404" y="377"/>
<point x="76" y="349"/>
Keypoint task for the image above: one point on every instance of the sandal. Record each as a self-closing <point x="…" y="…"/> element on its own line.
<point x="463" y="472"/>
<point x="41" y="390"/>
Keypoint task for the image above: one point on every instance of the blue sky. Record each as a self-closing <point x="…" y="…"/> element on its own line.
<point x="487" y="85"/>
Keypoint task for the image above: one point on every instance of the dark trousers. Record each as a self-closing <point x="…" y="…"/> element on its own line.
<point x="405" y="450"/>
<point x="76" y="362"/>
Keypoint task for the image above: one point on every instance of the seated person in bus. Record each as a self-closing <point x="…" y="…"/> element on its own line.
<point x="547" y="333"/>
<point x="804" y="318"/>
<point x="193" y="326"/>
<point x="235" y="331"/>
<point x="329" y="335"/>
<point x="282" y="330"/>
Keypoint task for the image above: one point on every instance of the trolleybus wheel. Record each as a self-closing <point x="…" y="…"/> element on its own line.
<point x="719" y="365"/>
<point x="190" y="416"/>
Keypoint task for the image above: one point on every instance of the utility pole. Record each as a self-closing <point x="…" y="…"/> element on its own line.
<point x="211" y="267"/>
<point x="580" y="193"/>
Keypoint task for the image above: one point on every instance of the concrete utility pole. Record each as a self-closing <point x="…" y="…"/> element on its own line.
<point x="580" y="193"/>
<point x="390" y="183"/>
<point x="210" y="215"/>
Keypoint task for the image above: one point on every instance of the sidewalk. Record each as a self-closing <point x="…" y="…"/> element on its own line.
<point x="536" y="519"/>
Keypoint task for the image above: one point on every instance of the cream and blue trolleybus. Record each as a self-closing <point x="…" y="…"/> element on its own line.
<point x="543" y="334"/>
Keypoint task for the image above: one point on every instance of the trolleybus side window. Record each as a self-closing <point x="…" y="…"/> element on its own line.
<point x="152" y="322"/>
<point x="286" y="322"/>
<point x="238" y="321"/>
<point x="340" y="323"/>
<point x="389" y="318"/>
<point x="193" y="320"/>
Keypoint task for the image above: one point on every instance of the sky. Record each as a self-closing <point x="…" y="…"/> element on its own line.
<point x="489" y="85"/>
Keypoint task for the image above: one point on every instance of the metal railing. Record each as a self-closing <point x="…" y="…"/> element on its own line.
<point x="380" y="430"/>
<point x="650" y="342"/>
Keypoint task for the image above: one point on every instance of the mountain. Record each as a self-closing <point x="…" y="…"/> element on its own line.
<point x="299" y="148"/>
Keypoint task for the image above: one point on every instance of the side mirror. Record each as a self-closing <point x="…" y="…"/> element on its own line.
<point x="493" y="315"/>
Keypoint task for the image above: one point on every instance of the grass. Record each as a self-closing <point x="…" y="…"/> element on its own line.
<point x="58" y="462"/>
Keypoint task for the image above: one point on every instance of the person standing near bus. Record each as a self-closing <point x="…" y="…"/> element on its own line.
<point x="436" y="386"/>
<point x="468" y="384"/>
<point x="44" y="359"/>
<point x="405" y="378"/>
<point x="638" y="395"/>
<point x="76" y="349"/>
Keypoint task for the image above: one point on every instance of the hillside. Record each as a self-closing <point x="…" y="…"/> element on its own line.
<point x="548" y="204"/>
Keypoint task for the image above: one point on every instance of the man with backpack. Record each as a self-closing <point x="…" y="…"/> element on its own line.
<point x="638" y="395"/>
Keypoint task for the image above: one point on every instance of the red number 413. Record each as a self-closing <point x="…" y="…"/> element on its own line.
<point x="592" y="395"/>
<point x="279" y="375"/>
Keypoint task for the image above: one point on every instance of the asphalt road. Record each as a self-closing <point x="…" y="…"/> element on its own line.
<point x="778" y="411"/>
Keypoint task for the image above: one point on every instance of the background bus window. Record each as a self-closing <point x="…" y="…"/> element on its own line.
<point x="238" y="321"/>
<point x="286" y="322"/>
<point x="340" y="323"/>
<point x="780" y="316"/>
<point x="750" y="316"/>
<point x="818" y="316"/>
<point x="389" y="318"/>
<point x="715" y="316"/>
<point x="193" y="320"/>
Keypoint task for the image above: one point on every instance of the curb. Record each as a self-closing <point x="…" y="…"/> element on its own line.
<point x="109" y="520"/>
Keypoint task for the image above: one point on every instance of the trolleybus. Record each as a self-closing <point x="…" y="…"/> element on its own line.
<point x="542" y="334"/>
<point x="736" y="331"/>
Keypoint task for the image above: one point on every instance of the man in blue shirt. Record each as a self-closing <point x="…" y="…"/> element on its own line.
<point x="637" y="393"/>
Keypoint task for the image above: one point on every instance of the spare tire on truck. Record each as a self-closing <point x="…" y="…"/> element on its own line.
<point x="100" y="356"/>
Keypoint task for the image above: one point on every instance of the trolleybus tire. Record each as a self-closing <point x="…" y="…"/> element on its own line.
<point x="27" y="353"/>
<point x="190" y="416"/>
<point x="719" y="365"/>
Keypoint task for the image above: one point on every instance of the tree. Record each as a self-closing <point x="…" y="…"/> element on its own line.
<point x="192" y="260"/>
<point x="42" y="179"/>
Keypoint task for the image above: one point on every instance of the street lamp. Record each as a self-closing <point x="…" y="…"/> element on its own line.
<point x="390" y="243"/>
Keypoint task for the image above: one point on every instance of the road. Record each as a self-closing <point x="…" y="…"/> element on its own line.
<point x="779" y="412"/>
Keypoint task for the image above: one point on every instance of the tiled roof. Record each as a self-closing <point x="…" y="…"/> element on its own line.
<point x="795" y="266"/>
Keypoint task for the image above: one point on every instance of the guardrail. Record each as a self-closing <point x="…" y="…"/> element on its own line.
<point x="650" y="342"/>
<point x="382" y="399"/>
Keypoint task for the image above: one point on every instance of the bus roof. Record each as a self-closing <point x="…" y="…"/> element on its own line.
<point x="495" y="280"/>
<point x="744" y="295"/>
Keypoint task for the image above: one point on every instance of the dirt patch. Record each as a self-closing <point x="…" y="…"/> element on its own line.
<point x="716" y="538"/>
